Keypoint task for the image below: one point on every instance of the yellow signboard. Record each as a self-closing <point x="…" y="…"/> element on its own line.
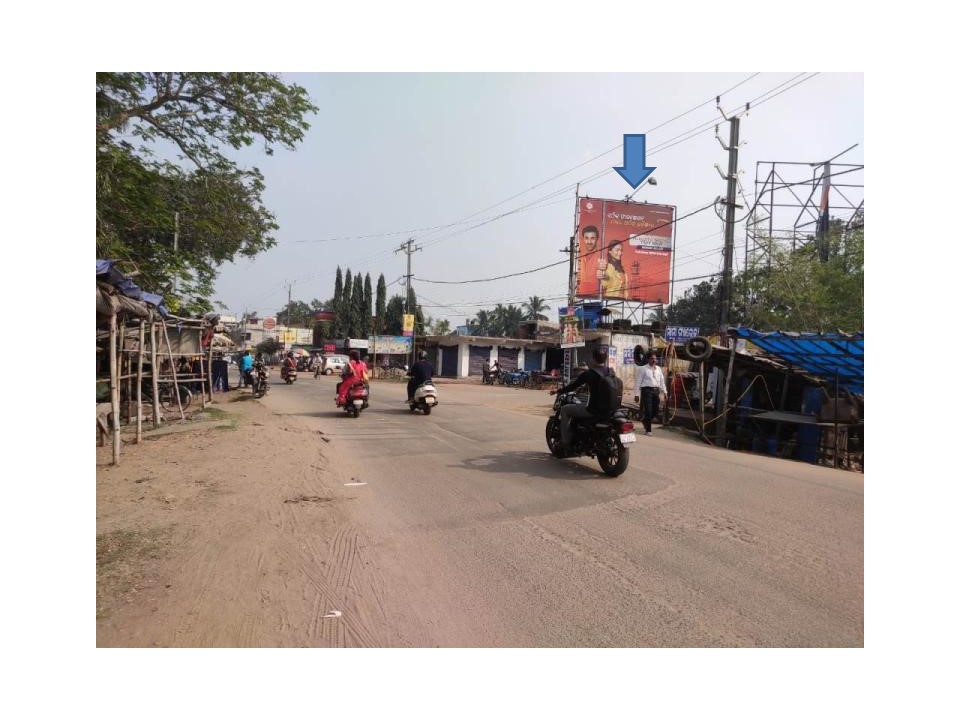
<point x="408" y="324"/>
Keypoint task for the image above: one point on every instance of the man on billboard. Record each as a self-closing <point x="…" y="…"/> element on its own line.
<point x="590" y="263"/>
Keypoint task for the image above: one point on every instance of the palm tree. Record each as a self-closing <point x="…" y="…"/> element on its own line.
<point x="534" y="308"/>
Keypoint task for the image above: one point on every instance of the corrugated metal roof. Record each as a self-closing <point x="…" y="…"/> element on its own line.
<point x="830" y="356"/>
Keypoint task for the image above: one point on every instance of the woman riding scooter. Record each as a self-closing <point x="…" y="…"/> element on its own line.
<point x="355" y="373"/>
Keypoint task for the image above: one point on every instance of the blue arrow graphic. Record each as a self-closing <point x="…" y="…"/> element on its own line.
<point x="634" y="169"/>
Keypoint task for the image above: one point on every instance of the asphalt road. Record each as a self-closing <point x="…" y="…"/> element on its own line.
<point x="467" y="533"/>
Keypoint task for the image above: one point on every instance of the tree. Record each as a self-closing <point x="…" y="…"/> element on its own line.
<point x="699" y="307"/>
<point x="381" y="308"/>
<point x="269" y="346"/>
<point x="336" y="327"/>
<point x="218" y="204"/>
<point x="441" y="327"/>
<point x="393" y="316"/>
<point x="296" y="314"/>
<point x="534" y="308"/>
<point x="797" y="290"/>
<point x="346" y="305"/>
<point x="359" y="307"/>
<point x="366" y="325"/>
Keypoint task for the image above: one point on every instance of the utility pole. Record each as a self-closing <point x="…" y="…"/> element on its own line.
<point x="409" y="249"/>
<point x="726" y="286"/>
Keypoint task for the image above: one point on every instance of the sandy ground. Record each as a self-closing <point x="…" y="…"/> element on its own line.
<point x="192" y="551"/>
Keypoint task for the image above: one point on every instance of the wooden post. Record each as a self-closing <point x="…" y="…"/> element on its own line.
<point x="732" y="341"/>
<point x="140" y="386"/>
<point x="173" y="368"/>
<point x="114" y="389"/>
<point x="210" y="368"/>
<point x="703" y="398"/>
<point x="154" y="372"/>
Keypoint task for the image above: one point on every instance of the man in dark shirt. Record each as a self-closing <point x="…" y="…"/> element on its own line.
<point x="421" y="372"/>
<point x="599" y="404"/>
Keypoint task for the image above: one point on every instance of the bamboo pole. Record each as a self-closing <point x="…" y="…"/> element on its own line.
<point x="155" y="372"/>
<point x="140" y="385"/>
<point x="114" y="390"/>
<point x="210" y="368"/>
<point x="121" y="358"/>
<point x="173" y="368"/>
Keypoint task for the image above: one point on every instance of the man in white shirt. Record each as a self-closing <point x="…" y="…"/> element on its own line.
<point x="650" y="387"/>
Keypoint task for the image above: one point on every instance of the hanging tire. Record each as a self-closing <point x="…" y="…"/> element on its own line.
<point x="698" y="348"/>
<point x="615" y="462"/>
<point x="553" y="437"/>
<point x="638" y="355"/>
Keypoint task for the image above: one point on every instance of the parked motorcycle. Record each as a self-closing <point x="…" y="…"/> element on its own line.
<point x="288" y="374"/>
<point x="358" y="398"/>
<point x="424" y="398"/>
<point x="606" y="440"/>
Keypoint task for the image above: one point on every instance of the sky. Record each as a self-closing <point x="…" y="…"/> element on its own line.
<point x="493" y="160"/>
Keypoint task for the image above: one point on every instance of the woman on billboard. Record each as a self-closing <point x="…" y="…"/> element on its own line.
<point x="614" y="283"/>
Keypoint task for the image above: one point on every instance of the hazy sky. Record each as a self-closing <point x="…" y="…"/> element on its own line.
<point x="389" y="156"/>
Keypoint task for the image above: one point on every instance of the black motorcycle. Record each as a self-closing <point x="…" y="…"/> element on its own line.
<point x="604" y="439"/>
<point x="258" y="377"/>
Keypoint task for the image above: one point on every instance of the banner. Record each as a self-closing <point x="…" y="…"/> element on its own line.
<point x="408" y="325"/>
<point x="624" y="250"/>
<point x="570" y="336"/>
<point x="389" y="345"/>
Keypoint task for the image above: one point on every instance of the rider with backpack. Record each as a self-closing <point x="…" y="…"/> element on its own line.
<point x="606" y="391"/>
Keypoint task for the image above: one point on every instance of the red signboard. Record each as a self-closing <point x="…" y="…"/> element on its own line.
<point x="269" y="323"/>
<point x="625" y="250"/>
<point x="324" y="315"/>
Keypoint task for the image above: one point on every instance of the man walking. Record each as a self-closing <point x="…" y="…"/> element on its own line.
<point x="650" y="387"/>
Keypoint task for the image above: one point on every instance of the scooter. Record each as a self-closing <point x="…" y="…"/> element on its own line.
<point x="288" y="374"/>
<point x="424" y="398"/>
<point x="358" y="399"/>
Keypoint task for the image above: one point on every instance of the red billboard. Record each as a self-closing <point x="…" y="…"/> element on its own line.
<point x="624" y="250"/>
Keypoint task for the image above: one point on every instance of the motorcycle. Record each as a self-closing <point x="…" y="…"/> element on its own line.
<point x="288" y="374"/>
<point x="358" y="398"/>
<point x="604" y="439"/>
<point x="424" y="398"/>
<point x="259" y="376"/>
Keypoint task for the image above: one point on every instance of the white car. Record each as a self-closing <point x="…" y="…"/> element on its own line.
<point x="334" y="363"/>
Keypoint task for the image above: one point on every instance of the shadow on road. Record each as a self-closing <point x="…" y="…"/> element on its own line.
<point x="532" y="464"/>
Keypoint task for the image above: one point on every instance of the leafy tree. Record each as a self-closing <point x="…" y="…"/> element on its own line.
<point x="393" y="316"/>
<point x="534" y="308"/>
<point x="798" y="290"/>
<point x="441" y="327"/>
<point x="219" y="204"/>
<point x="270" y="346"/>
<point x="482" y="324"/>
<point x="366" y="325"/>
<point x="381" y="307"/>
<point x="336" y="327"/>
<point x="359" y="307"/>
<point x="296" y="314"/>
<point x="346" y="305"/>
<point x="699" y="307"/>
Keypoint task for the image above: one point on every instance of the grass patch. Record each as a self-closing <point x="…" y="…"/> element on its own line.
<point x="122" y="560"/>
<point x="212" y="413"/>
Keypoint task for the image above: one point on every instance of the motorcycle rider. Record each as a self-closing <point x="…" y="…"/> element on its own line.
<point x="596" y="407"/>
<point x="261" y="369"/>
<point x="289" y="364"/>
<point x="246" y="365"/>
<point x="355" y="373"/>
<point x="421" y="372"/>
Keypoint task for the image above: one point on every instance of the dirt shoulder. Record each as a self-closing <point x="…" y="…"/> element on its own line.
<point x="199" y="531"/>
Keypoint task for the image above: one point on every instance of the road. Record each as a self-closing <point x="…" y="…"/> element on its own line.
<point x="465" y="532"/>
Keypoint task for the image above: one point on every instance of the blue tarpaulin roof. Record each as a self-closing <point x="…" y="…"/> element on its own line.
<point x="106" y="272"/>
<point x="830" y="356"/>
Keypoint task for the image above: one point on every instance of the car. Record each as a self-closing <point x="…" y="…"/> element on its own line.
<point x="334" y="363"/>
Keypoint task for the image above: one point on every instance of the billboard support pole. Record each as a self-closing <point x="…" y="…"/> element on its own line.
<point x="570" y="354"/>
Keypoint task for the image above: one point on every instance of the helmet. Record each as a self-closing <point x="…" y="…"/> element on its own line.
<point x="290" y="354"/>
<point x="423" y="354"/>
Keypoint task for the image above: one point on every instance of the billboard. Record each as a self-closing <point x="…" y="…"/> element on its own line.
<point x="389" y="344"/>
<point x="408" y="325"/>
<point x="677" y="334"/>
<point x="624" y="250"/>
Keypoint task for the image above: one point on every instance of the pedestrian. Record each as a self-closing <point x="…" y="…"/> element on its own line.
<point x="651" y="387"/>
